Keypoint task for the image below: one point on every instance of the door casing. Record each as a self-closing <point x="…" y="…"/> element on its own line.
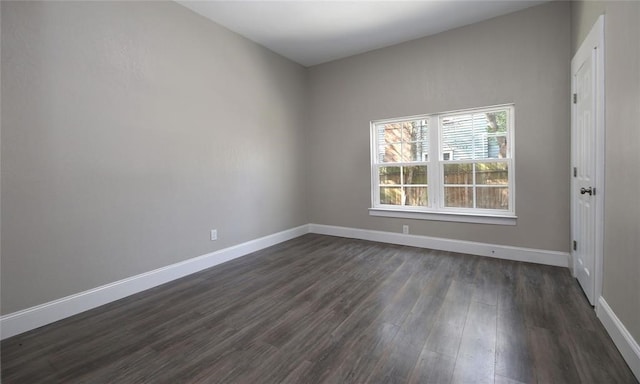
<point x="593" y="41"/>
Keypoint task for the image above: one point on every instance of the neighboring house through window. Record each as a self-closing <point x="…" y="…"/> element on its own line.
<point x="454" y="166"/>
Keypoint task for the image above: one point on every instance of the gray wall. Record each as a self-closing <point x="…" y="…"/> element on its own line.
<point x="522" y="58"/>
<point x="621" y="285"/>
<point x="131" y="129"/>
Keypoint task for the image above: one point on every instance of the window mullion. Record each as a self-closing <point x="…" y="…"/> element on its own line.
<point x="375" y="191"/>
<point x="375" y="178"/>
<point x="433" y="168"/>
<point x="473" y="174"/>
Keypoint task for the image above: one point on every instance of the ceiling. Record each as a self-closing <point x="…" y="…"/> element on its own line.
<point x="315" y="32"/>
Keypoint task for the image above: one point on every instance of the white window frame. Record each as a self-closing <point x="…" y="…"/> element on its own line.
<point x="435" y="170"/>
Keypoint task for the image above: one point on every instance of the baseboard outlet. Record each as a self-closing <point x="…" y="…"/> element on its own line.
<point x="38" y="316"/>
<point x="539" y="256"/>
<point x="621" y="337"/>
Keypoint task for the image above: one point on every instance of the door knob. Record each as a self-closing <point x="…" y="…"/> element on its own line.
<point x="586" y="190"/>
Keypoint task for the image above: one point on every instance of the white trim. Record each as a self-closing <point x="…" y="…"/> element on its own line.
<point x="594" y="42"/>
<point x="445" y="216"/>
<point x="627" y="345"/>
<point x="509" y="160"/>
<point x="539" y="256"/>
<point x="34" y="317"/>
<point x="435" y="166"/>
<point x="600" y="154"/>
<point x="40" y="315"/>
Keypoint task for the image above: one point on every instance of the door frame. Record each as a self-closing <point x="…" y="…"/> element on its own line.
<point x="593" y="44"/>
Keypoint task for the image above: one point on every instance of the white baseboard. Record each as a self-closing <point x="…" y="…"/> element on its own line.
<point x="539" y="256"/>
<point x="34" y="317"/>
<point x="621" y="337"/>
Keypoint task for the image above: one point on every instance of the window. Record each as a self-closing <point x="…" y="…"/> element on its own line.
<point x="445" y="166"/>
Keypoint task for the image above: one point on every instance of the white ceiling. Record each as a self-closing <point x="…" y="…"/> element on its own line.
<point x="314" y="32"/>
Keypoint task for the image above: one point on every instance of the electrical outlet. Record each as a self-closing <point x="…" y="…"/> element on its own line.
<point x="214" y="234"/>
<point x="405" y="229"/>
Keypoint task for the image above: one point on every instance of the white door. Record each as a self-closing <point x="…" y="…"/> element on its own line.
<point x="587" y="161"/>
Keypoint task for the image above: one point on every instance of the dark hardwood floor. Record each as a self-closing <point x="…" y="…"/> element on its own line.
<point x="321" y="309"/>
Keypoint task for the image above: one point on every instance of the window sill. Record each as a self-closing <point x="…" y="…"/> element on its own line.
<point x="445" y="216"/>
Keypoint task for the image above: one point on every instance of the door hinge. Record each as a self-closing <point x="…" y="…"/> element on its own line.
<point x="575" y="98"/>
<point x="575" y="245"/>
<point x="575" y="171"/>
<point x="594" y="191"/>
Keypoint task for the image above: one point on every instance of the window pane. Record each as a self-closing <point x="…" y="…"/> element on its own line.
<point x="389" y="137"/>
<point x="405" y="141"/>
<point x="392" y="132"/>
<point x="414" y="139"/>
<point x="492" y="173"/>
<point x="458" y="197"/>
<point x="458" y="173"/>
<point x="389" y="175"/>
<point x="415" y="151"/>
<point x="457" y="137"/>
<point x="415" y="175"/>
<point x="492" y="197"/>
<point x="497" y="134"/>
<point x="390" y="153"/>
<point x="416" y="196"/>
<point x="415" y="130"/>
<point x="391" y="195"/>
<point x="475" y="136"/>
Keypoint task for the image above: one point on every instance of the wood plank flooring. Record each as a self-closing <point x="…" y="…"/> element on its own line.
<point x="321" y="309"/>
